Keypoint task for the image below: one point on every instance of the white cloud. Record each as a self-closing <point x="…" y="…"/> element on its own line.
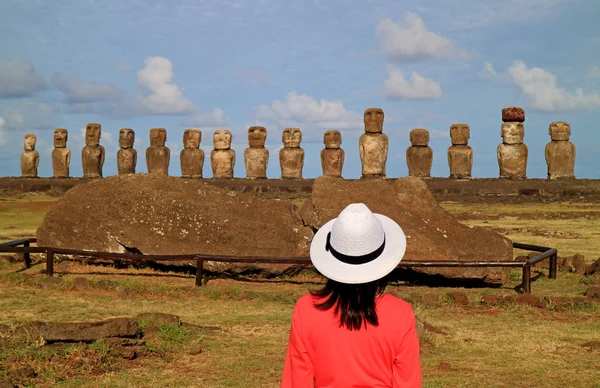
<point x="19" y="79"/>
<point x="594" y="72"/>
<point x="79" y="91"/>
<point x="488" y="70"/>
<point x="2" y="132"/>
<point x="214" y="119"/>
<point x="411" y="41"/>
<point x="541" y="87"/>
<point x="28" y="115"/>
<point x="417" y="88"/>
<point x="160" y="94"/>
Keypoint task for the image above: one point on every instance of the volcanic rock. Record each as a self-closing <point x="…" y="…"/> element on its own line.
<point x="169" y="216"/>
<point x="513" y="113"/>
<point x="432" y="234"/>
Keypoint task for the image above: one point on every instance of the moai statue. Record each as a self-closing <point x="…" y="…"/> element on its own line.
<point x="127" y="155"/>
<point x="256" y="157"/>
<point x="560" y="152"/>
<point x="92" y="155"/>
<point x="512" y="153"/>
<point x="291" y="156"/>
<point x="419" y="156"/>
<point x="222" y="157"/>
<point x="460" y="155"/>
<point x="158" y="155"/>
<point x="30" y="158"/>
<point x="191" y="156"/>
<point x="332" y="156"/>
<point x="61" y="155"/>
<point x="373" y="144"/>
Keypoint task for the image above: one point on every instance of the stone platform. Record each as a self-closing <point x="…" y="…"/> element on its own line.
<point x="444" y="189"/>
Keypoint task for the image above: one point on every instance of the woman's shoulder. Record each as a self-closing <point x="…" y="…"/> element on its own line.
<point x="395" y="303"/>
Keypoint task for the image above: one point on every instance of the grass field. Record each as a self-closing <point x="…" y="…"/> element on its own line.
<point x="505" y="346"/>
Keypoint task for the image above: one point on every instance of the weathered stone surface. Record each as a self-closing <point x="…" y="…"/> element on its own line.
<point x="30" y="158"/>
<point x="158" y="156"/>
<point x="222" y="157"/>
<point x="61" y="155"/>
<point x="332" y="156"/>
<point x="127" y="155"/>
<point x="419" y="156"/>
<point x="593" y="268"/>
<point x="560" y="152"/>
<point x="432" y="233"/>
<point x="460" y="161"/>
<point x="291" y="156"/>
<point x="373" y="144"/>
<point x="92" y="155"/>
<point x="458" y="298"/>
<point x="512" y="160"/>
<point x="593" y="292"/>
<point x="256" y="157"/>
<point x="460" y="134"/>
<point x="168" y="216"/>
<point x="82" y="331"/>
<point x="513" y="113"/>
<point x="191" y="157"/>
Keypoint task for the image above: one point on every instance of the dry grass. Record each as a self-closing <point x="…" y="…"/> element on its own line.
<point x="508" y="346"/>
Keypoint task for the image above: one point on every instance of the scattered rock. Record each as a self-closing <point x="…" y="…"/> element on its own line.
<point x="194" y="351"/>
<point x="593" y="292"/>
<point x="593" y="268"/>
<point x="123" y="292"/>
<point x="160" y="318"/>
<point x="51" y="282"/>
<point x="83" y="331"/>
<point x="574" y="264"/>
<point x="458" y="298"/>
<point x="124" y="352"/>
<point x="530" y="300"/>
<point x="116" y="342"/>
<point x="592" y="345"/>
<point x="491" y="300"/>
<point x="430" y="300"/>
<point x="62" y="266"/>
<point x="445" y="366"/>
<point x="81" y="283"/>
<point x="432" y="233"/>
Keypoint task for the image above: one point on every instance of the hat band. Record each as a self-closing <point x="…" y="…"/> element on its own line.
<point x="356" y="260"/>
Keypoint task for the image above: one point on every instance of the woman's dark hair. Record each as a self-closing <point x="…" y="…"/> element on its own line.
<point x="353" y="303"/>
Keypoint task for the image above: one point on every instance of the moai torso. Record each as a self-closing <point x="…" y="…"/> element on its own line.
<point x="191" y="156"/>
<point x="222" y="157"/>
<point x="256" y="157"/>
<point x="127" y="155"/>
<point x="61" y="155"/>
<point x="419" y="156"/>
<point x="92" y="155"/>
<point x="332" y="156"/>
<point x="158" y="156"/>
<point x="30" y="158"/>
<point x="512" y="153"/>
<point x="460" y="155"/>
<point x="373" y="144"/>
<point x="560" y="152"/>
<point x="291" y="156"/>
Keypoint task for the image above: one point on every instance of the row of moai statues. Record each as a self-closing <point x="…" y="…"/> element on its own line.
<point x="512" y="154"/>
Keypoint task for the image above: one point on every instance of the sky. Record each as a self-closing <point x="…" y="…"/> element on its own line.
<point x="311" y="64"/>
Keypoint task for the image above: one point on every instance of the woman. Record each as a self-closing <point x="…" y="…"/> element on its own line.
<point x="349" y="333"/>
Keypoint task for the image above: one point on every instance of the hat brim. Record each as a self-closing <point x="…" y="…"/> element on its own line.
<point x="334" y="269"/>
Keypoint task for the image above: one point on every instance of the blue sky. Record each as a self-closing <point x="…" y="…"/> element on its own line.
<point x="315" y="65"/>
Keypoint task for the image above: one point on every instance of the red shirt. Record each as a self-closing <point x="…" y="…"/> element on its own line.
<point x="322" y="354"/>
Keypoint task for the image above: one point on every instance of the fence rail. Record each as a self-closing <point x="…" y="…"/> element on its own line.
<point x="24" y="246"/>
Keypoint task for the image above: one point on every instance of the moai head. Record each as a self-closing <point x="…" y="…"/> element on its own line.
<point x="126" y="137"/>
<point x="60" y="138"/>
<point x="419" y="137"/>
<point x="332" y="139"/>
<point x="257" y="136"/>
<point x="92" y="134"/>
<point x="222" y="139"/>
<point x="291" y="137"/>
<point x="373" y="119"/>
<point x="192" y="138"/>
<point x="460" y="134"/>
<point x="513" y="132"/>
<point x="560" y="131"/>
<point x="30" y="142"/>
<point x="158" y="137"/>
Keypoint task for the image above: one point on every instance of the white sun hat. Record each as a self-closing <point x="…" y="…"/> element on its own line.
<point x="358" y="246"/>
